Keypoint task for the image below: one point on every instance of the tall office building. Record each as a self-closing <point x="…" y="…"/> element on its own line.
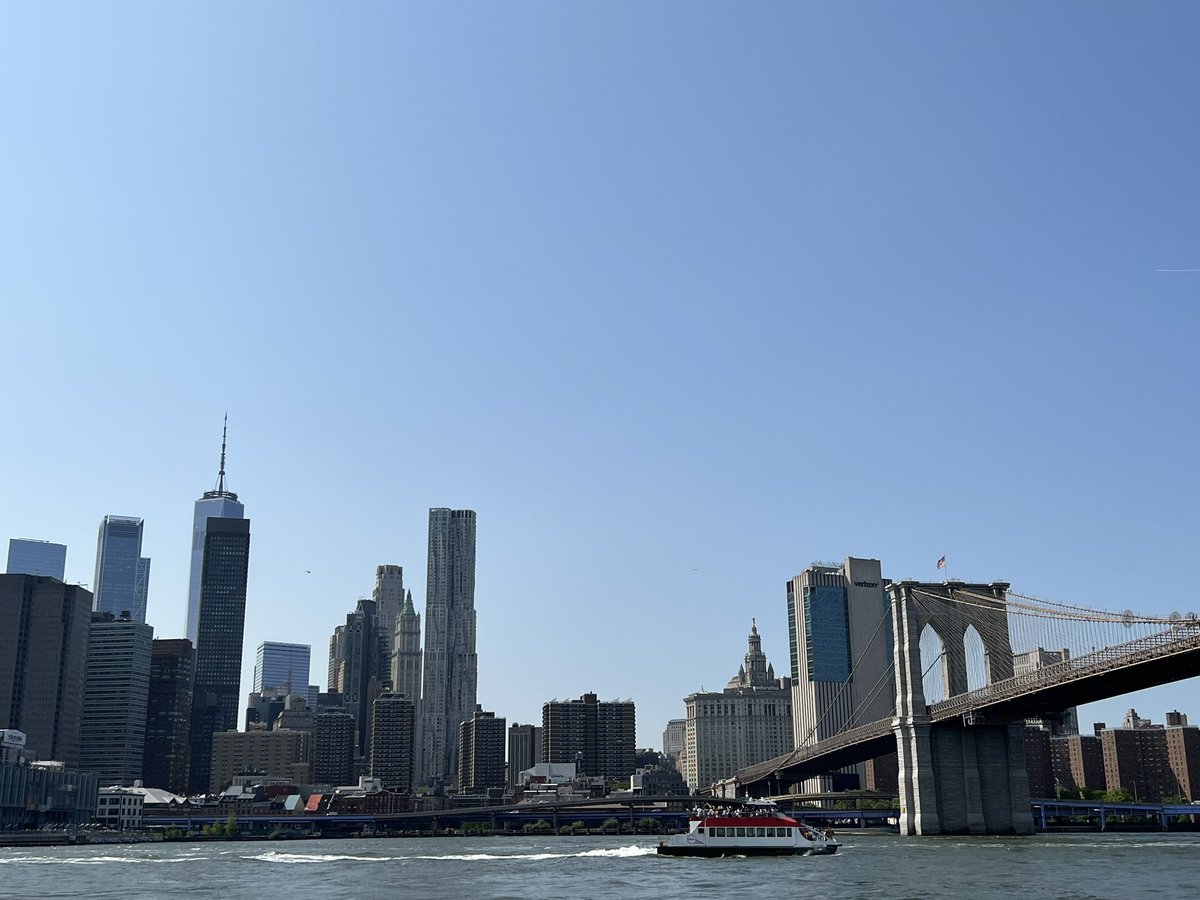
<point x="481" y="752"/>
<point x="113" y="730"/>
<point x="29" y="557"/>
<point x="393" y="744"/>
<point x="451" y="665"/>
<point x="406" y="652"/>
<point x="364" y="667"/>
<point x="43" y="659"/>
<point x="839" y="632"/>
<point x="746" y="723"/>
<point x="524" y="750"/>
<point x="215" y="504"/>
<point x="169" y="715"/>
<point x="389" y="598"/>
<point x="675" y="739"/>
<point x="217" y="692"/>
<point x="597" y="736"/>
<point x="337" y="660"/>
<point x="282" y="666"/>
<point x="122" y="574"/>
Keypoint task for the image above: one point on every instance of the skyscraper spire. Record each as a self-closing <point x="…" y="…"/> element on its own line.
<point x="220" y="488"/>
<point x="219" y="503"/>
<point x="221" y="472"/>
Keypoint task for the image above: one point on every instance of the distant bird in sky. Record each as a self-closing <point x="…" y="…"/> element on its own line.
<point x="309" y="571"/>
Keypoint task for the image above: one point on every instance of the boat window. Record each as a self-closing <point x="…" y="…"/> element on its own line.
<point x="700" y="830"/>
<point x="787" y="832"/>
<point x="770" y="831"/>
<point x="762" y="832"/>
<point x="718" y="832"/>
<point x="741" y="832"/>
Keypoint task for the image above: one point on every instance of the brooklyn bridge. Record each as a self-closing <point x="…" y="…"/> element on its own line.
<point x="958" y="723"/>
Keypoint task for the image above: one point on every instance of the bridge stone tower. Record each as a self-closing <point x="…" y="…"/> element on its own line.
<point x="955" y="777"/>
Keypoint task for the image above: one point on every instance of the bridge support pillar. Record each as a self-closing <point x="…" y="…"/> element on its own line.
<point x="963" y="779"/>
<point x="954" y="778"/>
<point x="918" y="794"/>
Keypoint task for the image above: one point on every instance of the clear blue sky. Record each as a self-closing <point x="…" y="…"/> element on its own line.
<point x="678" y="296"/>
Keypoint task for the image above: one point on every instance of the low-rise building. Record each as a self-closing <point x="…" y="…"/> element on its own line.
<point x="119" y="808"/>
<point x="34" y="795"/>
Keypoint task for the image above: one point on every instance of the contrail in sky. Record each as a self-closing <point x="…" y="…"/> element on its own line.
<point x="1177" y="270"/>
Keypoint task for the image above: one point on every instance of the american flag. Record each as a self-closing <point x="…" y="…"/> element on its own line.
<point x="942" y="563"/>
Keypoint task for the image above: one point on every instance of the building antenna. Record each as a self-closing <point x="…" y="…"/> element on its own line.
<point x="221" y="472"/>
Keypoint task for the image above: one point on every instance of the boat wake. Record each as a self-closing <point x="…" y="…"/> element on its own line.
<point x="274" y="856"/>
<point x="89" y="860"/>
<point x="609" y="853"/>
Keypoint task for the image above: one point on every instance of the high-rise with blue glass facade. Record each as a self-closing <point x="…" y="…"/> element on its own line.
<point x="217" y="618"/>
<point x="26" y="557"/>
<point x="215" y="504"/>
<point x="122" y="574"/>
<point x="841" y="649"/>
<point x="282" y="666"/>
<point x="216" y="696"/>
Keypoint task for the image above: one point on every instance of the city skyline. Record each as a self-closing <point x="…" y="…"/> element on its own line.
<point x="679" y="304"/>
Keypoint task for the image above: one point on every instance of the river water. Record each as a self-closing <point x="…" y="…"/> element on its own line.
<point x="621" y="868"/>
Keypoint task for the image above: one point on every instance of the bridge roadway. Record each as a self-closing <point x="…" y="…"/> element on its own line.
<point x="1170" y="655"/>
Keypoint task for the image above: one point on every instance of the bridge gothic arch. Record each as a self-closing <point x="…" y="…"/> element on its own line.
<point x="933" y="664"/>
<point x="977" y="658"/>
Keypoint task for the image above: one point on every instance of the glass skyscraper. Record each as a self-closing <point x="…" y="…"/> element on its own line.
<point x="220" y="626"/>
<point x="122" y="573"/>
<point x="216" y="504"/>
<point x="216" y="618"/>
<point x="26" y="557"/>
<point x="282" y="666"/>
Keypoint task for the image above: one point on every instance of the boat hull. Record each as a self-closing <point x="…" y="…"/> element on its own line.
<point x="699" y="850"/>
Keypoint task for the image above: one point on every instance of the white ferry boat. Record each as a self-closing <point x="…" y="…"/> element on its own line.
<point x="759" y="829"/>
